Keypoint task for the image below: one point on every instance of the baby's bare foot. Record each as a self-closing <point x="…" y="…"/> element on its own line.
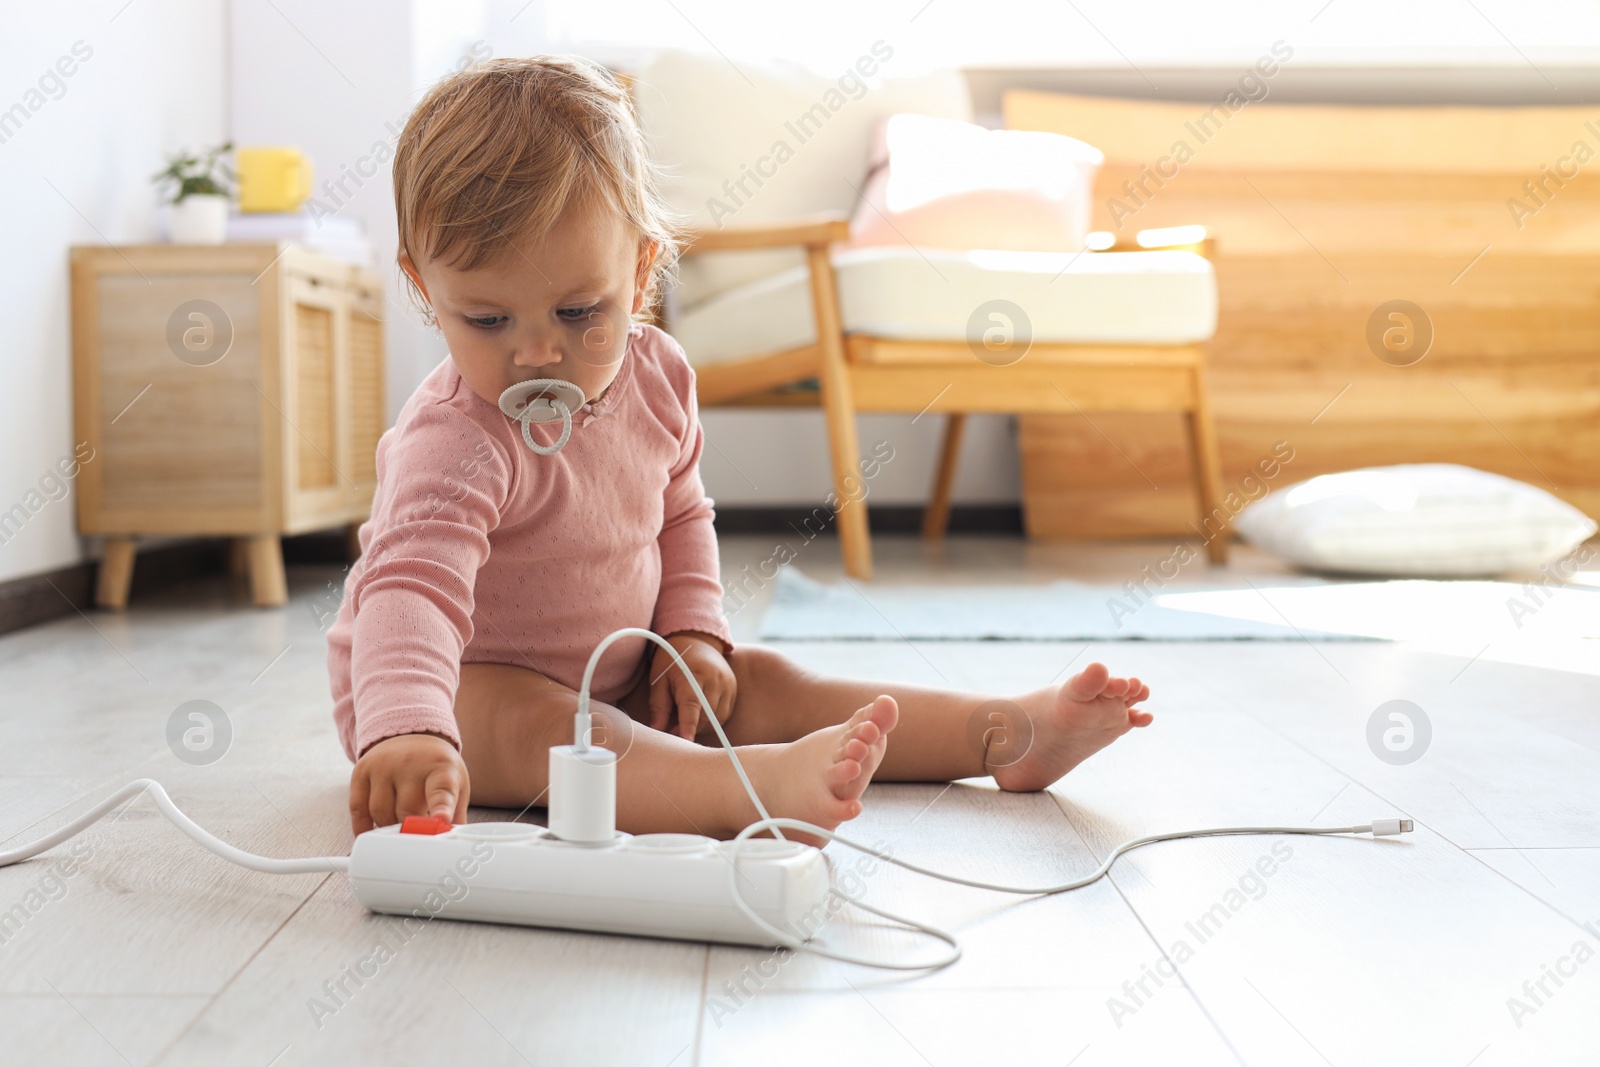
<point x="820" y="778"/>
<point x="1070" y="723"/>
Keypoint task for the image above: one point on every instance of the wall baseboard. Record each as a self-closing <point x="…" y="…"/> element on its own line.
<point x="39" y="598"/>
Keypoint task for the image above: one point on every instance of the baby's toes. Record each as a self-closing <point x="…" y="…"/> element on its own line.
<point x="883" y="713"/>
<point x="1086" y="684"/>
<point x="843" y="772"/>
<point x="864" y="733"/>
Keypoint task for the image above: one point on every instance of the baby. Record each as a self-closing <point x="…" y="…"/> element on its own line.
<point x="498" y="554"/>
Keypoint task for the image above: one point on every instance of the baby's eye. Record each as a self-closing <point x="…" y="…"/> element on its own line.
<point x="486" y="323"/>
<point x="578" y="314"/>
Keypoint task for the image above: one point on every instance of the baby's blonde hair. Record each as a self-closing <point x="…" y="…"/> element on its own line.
<point x="494" y="153"/>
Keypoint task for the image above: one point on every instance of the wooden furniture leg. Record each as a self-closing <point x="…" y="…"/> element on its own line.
<point x="116" y="574"/>
<point x="268" y="586"/>
<point x="238" y="552"/>
<point x="855" y="539"/>
<point x="1207" y="473"/>
<point x="844" y="450"/>
<point x="936" y="519"/>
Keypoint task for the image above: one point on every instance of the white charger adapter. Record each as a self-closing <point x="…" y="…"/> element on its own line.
<point x="583" y="794"/>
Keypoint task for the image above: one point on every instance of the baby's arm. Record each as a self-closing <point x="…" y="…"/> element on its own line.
<point x="689" y="603"/>
<point x="443" y="486"/>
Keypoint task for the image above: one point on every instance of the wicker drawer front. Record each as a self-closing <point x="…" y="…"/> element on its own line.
<point x="178" y="435"/>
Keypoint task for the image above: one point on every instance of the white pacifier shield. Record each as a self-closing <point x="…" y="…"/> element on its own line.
<point x="526" y="408"/>
<point x="520" y="401"/>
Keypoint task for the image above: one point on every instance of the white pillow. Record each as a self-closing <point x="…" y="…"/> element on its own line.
<point x="1418" y="520"/>
<point x="762" y="143"/>
<point x="942" y="183"/>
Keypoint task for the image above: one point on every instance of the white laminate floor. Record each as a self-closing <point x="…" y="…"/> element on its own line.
<point x="1474" y="941"/>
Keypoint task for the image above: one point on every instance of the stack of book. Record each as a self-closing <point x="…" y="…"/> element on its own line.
<point x="339" y="236"/>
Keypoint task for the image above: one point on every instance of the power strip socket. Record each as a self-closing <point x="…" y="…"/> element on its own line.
<point x="651" y="885"/>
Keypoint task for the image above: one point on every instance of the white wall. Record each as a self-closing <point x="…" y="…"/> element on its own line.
<point x="77" y="170"/>
<point x="758" y="457"/>
<point x="336" y="81"/>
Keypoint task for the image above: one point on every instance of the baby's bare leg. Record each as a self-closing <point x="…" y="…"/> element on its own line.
<point x="778" y="700"/>
<point x="1026" y="741"/>
<point x="509" y="717"/>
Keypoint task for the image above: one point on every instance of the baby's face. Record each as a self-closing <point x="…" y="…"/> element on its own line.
<point x="556" y="307"/>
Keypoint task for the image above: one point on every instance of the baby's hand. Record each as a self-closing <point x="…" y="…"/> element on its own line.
<point x="408" y="774"/>
<point x="669" y="688"/>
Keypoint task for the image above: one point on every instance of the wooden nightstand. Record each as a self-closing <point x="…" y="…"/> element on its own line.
<point x="234" y="390"/>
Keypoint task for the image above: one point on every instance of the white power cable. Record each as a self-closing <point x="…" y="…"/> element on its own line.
<point x="581" y="726"/>
<point x="265" y="864"/>
<point x="1378" y="828"/>
<point x="788" y="939"/>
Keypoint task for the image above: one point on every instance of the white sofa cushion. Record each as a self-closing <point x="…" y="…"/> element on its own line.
<point x="1106" y="297"/>
<point x="1417" y="520"/>
<point x="798" y="141"/>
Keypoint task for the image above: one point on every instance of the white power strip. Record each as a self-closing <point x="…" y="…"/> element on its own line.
<point x="651" y="885"/>
<point x="583" y="874"/>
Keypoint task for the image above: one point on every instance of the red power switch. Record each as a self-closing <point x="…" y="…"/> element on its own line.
<point x="425" y="824"/>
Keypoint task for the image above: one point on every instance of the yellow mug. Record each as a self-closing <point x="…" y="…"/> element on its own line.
<point x="272" y="179"/>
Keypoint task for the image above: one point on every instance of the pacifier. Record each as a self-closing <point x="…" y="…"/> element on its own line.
<point x="521" y="403"/>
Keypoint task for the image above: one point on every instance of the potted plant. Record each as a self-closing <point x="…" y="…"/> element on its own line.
<point x="197" y="188"/>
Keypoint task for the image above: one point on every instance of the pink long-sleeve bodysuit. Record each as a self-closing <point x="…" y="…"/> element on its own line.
<point x="480" y="550"/>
